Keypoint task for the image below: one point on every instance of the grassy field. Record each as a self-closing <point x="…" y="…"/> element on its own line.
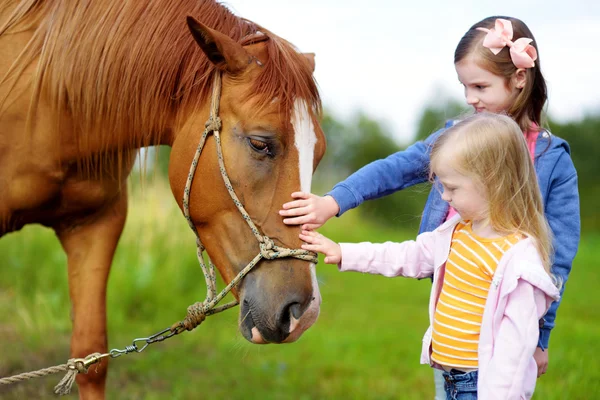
<point x="365" y="345"/>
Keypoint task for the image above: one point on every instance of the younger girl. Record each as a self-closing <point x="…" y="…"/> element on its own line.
<point x="490" y="262"/>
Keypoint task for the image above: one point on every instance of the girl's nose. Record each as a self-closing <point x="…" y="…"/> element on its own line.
<point x="472" y="100"/>
<point x="445" y="196"/>
<point x="470" y="97"/>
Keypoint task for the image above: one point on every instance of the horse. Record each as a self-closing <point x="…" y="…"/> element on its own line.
<point x="86" y="84"/>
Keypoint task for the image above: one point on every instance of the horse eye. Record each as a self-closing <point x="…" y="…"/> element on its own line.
<point x="259" y="145"/>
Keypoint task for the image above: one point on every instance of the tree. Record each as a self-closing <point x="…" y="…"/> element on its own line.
<point x="434" y="117"/>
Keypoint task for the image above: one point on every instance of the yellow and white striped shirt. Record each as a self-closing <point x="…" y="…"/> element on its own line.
<point x="469" y="272"/>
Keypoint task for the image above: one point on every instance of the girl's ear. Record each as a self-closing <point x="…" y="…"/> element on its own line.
<point x="519" y="78"/>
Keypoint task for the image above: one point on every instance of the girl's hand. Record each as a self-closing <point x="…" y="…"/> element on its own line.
<point x="309" y="210"/>
<point x="319" y="243"/>
<point x="541" y="359"/>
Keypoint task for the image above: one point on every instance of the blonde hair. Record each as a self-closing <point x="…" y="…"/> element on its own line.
<point x="491" y="150"/>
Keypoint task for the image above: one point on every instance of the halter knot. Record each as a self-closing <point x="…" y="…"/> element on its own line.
<point x="267" y="247"/>
<point x="213" y="123"/>
<point x="196" y="314"/>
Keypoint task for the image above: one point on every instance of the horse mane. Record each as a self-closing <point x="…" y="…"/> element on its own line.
<point x="129" y="66"/>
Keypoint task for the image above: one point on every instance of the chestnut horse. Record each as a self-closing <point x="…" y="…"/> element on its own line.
<point x="85" y="84"/>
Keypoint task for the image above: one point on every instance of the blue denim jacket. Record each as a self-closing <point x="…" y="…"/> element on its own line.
<point x="557" y="179"/>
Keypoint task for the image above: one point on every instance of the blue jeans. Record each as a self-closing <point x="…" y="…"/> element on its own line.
<point x="438" y="378"/>
<point x="460" y="385"/>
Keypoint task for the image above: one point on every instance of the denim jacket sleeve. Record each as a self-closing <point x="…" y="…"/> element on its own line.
<point x="385" y="176"/>
<point x="558" y="182"/>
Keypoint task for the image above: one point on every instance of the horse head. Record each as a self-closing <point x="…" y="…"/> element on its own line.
<point x="271" y="143"/>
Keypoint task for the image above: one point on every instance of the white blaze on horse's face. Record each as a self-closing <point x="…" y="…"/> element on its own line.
<point x="305" y="140"/>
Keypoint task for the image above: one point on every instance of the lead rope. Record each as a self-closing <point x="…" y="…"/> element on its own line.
<point x="197" y="312"/>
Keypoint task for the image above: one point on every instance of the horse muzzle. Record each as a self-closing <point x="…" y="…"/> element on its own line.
<point x="277" y="314"/>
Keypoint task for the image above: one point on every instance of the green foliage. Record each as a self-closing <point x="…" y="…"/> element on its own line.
<point x="435" y="116"/>
<point x="584" y="139"/>
<point x="371" y="141"/>
<point x="162" y="160"/>
<point x="333" y="166"/>
<point x="351" y="145"/>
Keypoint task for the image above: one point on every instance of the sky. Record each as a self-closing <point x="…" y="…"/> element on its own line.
<point x="390" y="58"/>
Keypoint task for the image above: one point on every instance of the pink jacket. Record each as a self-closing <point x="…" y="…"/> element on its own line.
<point x="520" y="294"/>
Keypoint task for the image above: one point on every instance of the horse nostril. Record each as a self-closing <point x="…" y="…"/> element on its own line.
<point x="296" y="310"/>
<point x="289" y="317"/>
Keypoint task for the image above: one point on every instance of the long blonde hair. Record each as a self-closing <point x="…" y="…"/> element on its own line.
<point x="491" y="149"/>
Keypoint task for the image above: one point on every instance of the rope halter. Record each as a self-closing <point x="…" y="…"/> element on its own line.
<point x="268" y="249"/>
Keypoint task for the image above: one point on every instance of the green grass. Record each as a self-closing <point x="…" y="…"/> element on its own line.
<point x="365" y="345"/>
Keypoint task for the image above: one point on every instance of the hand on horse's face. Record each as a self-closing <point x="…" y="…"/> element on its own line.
<point x="321" y="244"/>
<point x="310" y="210"/>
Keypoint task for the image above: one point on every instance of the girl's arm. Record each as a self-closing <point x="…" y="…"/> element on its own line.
<point x="514" y="344"/>
<point x="412" y="258"/>
<point x="385" y="176"/>
<point x="377" y="179"/>
<point x="562" y="213"/>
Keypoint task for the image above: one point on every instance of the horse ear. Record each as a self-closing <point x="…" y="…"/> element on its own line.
<point x="311" y="59"/>
<point x="220" y="49"/>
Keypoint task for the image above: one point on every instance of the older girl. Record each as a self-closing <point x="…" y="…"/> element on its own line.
<point x="497" y="62"/>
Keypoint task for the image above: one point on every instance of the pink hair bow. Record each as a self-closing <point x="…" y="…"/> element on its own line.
<point x="522" y="53"/>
